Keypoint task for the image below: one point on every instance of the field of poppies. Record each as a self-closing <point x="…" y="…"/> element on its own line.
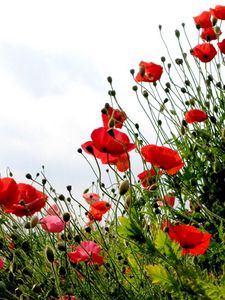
<point x="156" y="234"/>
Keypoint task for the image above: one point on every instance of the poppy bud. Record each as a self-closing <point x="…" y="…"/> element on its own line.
<point x="137" y="126"/>
<point x="127" y="202"/>
<point x="62" y="271"/>
<point x="109" y="79"/>
<point x="49" y="254"/>
<point x="26" y="246"/>
<point x="69" y="188"/>
<point x="135" y="88"/>
<point x="66" y="217"/>
<point x="179" y="61"/>
<point x="27" y="225"/>
<point x="145" y="94"/>
<point x="34" y="221"/>
<point x="61" y="197"/>
<point x="213" y="119"/>
<point x="183" y="90"/>
<point x="215" y="109"/>
<point x="124" y="187"/>
<point x="184" y="123"/>
<point x="61" y="246"/>
<point x="159" y="122"/>
<point x="79" y="150"/>
<point x="177" y="33"/>
<point x="113" y="93"/>
<point x="28" y="176"/>
<point x="163" y="59"/>
<point x="132" y="71"/>
<point x="182" y="130"/>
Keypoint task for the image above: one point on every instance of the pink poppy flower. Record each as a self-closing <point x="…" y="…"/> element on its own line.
<point x="87" y="251"/>
<point x="91" y="197"/>
<point x="54" y="210"/>
<point x="52" y="223"/>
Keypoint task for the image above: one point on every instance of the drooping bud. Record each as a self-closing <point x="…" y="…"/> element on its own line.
<point x="34" y="221"/>
<point x="49" y="254"/>
<point x="124" y="187"/>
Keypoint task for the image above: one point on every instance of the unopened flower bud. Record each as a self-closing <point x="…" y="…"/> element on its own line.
<point x="66" y="217"/>
<point x="135" y="88"/>
<point x="28" y="176"/>
<point x="182" y="130"/>
<point x="163" y="59"/>
<point x="132" y="72"/>
<point x="61" y="246"/>
<point x="127" y="202"/>
<point x="61" y="197"/>
<point x="109" y="79"/>
<point x="213" y="119"/>
<point x="124" y="187"/>
<point x="177" y="33"/>
<point x="49" y="254"/>
<point x="145" y="94"/>
<point x="34" y="221"/>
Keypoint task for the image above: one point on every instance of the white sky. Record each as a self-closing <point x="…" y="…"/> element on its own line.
<point x="55" y="57"/>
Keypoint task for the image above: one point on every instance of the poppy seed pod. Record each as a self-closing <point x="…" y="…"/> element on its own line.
<point x="124" y="187"/>
<point x="66" y="217"/>
<point x="49" y="254"/>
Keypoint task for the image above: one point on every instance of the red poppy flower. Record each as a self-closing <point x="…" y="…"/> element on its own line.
<point x="221" y="46"/>
<point x="111" y="141"/>
<point x="218" y="12"/>
<point x="29" y="201"/>
<point x="191" y="239"/>
<point x="87" y="251"/>
<point x="109" y="114"/>
<point x="122" y="162"/>
<point x="167" y="199"/>
<point x="149" y="72"/>
<point x="8" y="192"/>
<point x="67" y="297"/>
<point x="97" y="210"/>
<point x="162" y="157"/>
<point x="147" y="177"/>
<point x="195" y="115"/>
<point x="204" y="52"/>
<point x="209" y="34"/>
<point x="203" y="20"/>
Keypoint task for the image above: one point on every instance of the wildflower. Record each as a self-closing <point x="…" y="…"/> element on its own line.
<point x="67" y="297"/>
<point x="52" y="223"/>
<point x="87" y="251"/>
<point x="218" y="12"/>
<point x="203" y="20"/>
<point x="162" y="157"/>
<point x="2" y="263"/>
<point x="111" y="142"/>
<point x="168" y="200"/>
<point x="149" y="72"/>
<point x="8" y="192"/>
<point x="221" y="46"/>
<point x="91" y="197"/>
<point x="204" y="52"/>
<point x="97" y="210"/>
<point x="195" y="115"/>
<point x="54" y="210"/>
<point x="209" y="34"/>
<point x="148" y="177"/>
<point x="191" y="239"/>
<point x="29" y="201"/>
<point x="115" y="115"/>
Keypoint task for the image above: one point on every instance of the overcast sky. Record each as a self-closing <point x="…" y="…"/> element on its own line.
<point x="55" y="57"/>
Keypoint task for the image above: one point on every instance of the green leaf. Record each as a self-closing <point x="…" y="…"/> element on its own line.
<point x="158" y="274"/>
